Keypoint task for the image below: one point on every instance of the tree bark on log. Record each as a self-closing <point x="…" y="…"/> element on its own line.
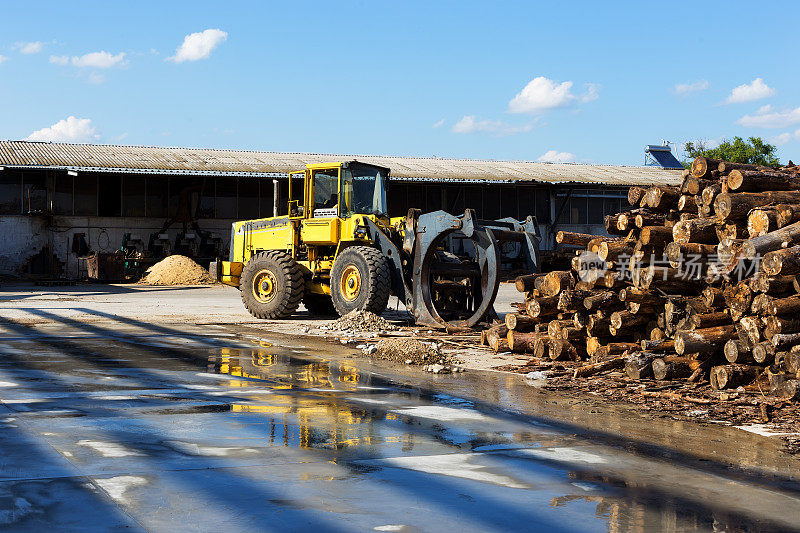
<point x="703" y="340"/>
<point x="596" y="368"/>
<point x="781" y="262"/>
<point x="756" y="180"/>
<point x="775" y="240"/>
<point x="555" y="282"/>
<point x="639" y="365"/>
<point x="762" y="220"/>
<point x="542" y="306"/>
<point x="732" y="376"/>
<point x="655" y="235"/>
<point x="787" y="214"/>
<point x="575" y="239"/>
<point x="518" y="322"/>
<point x="764" y="353"/>
<point x="658" y="345"/>
<point x="736" y="206"/>
<point x="739" y="352"/>
<point x="702" y="166"/>
<point x="773" y="286"/>
<point x="698" y="230"/>
<point x="666" y="369"/>
<point x="635" y="195"/>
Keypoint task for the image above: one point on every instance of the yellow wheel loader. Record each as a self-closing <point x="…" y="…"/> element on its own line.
<point x="338" y="250"/>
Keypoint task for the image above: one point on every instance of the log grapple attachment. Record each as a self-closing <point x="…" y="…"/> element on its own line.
<point x="449" y="268"/>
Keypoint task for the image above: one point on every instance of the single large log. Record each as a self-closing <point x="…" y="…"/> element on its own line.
<point x="687" y="204"/>
<point x="655" y="235"/>
<point x="774" y="286"/>
<point x="603" y="366"/>
<point x="792" y="360"/>
<point x="761" y="303"/>
<point x="787" y="214"/>
<point x="737" y="351"/>
<point x="575" y="239"/>
<point x="781" y="262"/>
<point x="639" y="365"/>
<point x="555" y="282"/>
<point x="774" y="240"/>
<point x="783" y="341"/>
<point x="694" y="186"/>
<point x="703" y="340"/>
<point x="762" y="220"/>
<point x="528" y="282"/>
<point x="749" y="330"/>
<point x="736" y="229"/>
<point x="702" y="166"/>
<point x="648" y="218"/>
<point x="496" y="338"/>
<point x="662" y="197"/>
<point x="776" y="324"/>
<point x="732" y="376"/>
<point x="764" y="353"/>
<point x="611" y="251"/>
<point x="658" y="345"/>
<point x="725" y="167"/>
<point x="756" y="180"/>
<point x="521" y="341"/>
<point x="699" y="230"/>
<point x="633" y="295"/>
<point x="518" y="322"/>
<point x="542" y="306"/>
<point x="554" y="327"/>
<point x="791" y="389"/>
<point x="627" y="320"/>
<point x="597" y="300"/>
<point x="709" y="194"/>
<point x="708" y="320"/>
<point x="540" y="346"/>
<point x="561" y="350"/>
<point x="679" y="253"/>
<point x="598" y="326"/>
<point x="635" y="195"/>
<point x="736" y="206"/>
<point x="667" y="368"/>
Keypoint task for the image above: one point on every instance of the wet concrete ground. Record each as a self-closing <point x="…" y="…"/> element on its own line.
<point x="124" y="423"/>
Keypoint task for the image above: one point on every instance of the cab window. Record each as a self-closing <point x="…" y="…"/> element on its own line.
<point x="326" y="196"/>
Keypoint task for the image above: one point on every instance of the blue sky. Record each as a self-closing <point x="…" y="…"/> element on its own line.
<point x="580" y="81"/>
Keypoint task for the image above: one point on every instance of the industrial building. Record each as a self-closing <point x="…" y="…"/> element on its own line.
<point x="57" y="201"/>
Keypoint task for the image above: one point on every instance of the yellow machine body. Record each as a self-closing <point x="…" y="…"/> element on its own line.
<point x="311" y="234"/>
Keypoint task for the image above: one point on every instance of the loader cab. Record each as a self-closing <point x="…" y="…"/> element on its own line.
<point x="340" y="190"/>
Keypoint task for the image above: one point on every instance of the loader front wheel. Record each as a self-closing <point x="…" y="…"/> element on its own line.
<point x="360" y="279"/>
<point x="272" y="285"/>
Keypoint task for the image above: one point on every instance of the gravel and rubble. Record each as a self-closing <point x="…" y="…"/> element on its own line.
<point x="360" y="322"/>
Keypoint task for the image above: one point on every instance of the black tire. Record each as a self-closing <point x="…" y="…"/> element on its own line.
<point x="285" y="285"/>
<point x="319" y="304"/>
<point x="374" y="284"/>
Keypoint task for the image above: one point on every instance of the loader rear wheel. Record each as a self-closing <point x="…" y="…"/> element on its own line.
<point x="360" y="279"/>
<point x="272" y="285"/>
<point x="319" y="304"/>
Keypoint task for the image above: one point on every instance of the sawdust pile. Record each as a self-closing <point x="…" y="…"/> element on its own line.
<point x="361" y="321"/>
<point x="176" y="270"/>
<point x="410" y="351"/>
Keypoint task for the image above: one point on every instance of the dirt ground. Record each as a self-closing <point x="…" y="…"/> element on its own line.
<point x="217" y="305"/>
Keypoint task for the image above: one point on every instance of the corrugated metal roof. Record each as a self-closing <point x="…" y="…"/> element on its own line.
<point x="97" y="157"/>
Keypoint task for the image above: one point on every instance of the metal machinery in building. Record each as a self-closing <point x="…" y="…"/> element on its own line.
<point x="338" y="249"/>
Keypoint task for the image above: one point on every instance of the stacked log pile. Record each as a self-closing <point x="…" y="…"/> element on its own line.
<point x="696" y="282"/>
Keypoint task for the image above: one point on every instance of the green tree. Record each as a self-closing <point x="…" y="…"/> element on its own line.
<point x="754" y="151"/>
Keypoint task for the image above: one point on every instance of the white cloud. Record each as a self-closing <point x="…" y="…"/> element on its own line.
<point x="99" y="60"/>
<point x="92" y="60"/>
<point x="198" y="45"/>
<point x="70" y="129"/>
<point x="768" y="117"/>
<point x="3" y="59"/>
<point x="591" y="94"/>
<point x="438" y="124"/>
<point x="96" y="78"/>
<point x="29" y="48"/>
<point x="541" y="94"/>
<point x="468" y="124"/>
<point x="682" y="89"/>
<point x="554" y="156"/>
<point x="785" y="138"/>
<point x="755" y="90"/>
